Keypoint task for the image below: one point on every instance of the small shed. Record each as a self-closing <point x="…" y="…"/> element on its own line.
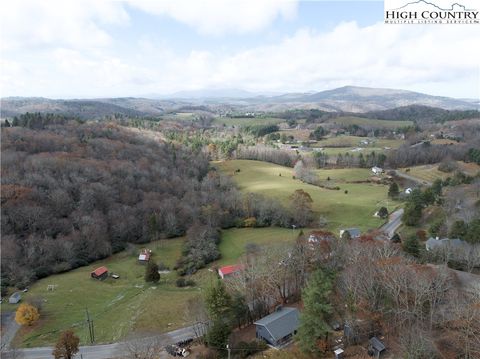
<point x="279" y="327"/>
<point x="144" y="256"/>
<point x="338" y="353"/>
<point x="100" y="273"/>
<point x="15" y="298"/>
<point x="376" y="347"/>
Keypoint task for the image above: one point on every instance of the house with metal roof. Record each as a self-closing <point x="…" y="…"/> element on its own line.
<point x="228" y="271"/>
<point x="376" y="347"/>
<point x="354" y="232"/>
<point x="279" y="327"/>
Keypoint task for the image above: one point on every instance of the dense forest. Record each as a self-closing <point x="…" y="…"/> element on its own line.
<point x="76" y="192"/>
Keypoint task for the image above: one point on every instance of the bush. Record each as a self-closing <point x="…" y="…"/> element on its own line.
<point x="447" y="166"/>
<point x="182" y="282"/>
<point x="151" y="273"/>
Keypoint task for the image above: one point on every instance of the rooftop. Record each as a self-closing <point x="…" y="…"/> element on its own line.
<point x="281" y="323"/>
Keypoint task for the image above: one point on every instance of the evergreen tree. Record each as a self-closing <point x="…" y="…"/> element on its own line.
<point x="459" y="230"/>
<point x="412" y="246"/>
<point x="473" y="233"/>
<point x="317" y="309"/>
<point x="218" y="301"/>
<point x="393" y="190"/>
<point x="151" y="273"/>
<point x="383" y="212"/>
<point x="217" y="336"/>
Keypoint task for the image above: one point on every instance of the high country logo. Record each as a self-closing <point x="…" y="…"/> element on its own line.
<point x="426" y="12"/>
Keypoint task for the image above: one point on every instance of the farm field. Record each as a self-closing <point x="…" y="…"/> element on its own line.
<point x="247" y="121"/>
<point x="430" y="172"/>
<point x="351" y="120"/>
<point x="234" y="241"/>
<point x="354" y="141"/>
<point x="116" y="306"/>
<point x="128" y="304"/>
<point x="354" y="209"/>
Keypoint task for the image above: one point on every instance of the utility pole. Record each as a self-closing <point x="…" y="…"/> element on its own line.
<point x="90" y="326"/>
<point x="228" y="351"/>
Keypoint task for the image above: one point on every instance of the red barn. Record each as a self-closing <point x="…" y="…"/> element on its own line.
<point x="100" y="273"/>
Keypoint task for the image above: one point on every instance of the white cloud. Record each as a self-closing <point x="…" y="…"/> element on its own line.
<point x="28" y="24"/>
<point x="216" y="17"/>
<point x="70" y="50"/>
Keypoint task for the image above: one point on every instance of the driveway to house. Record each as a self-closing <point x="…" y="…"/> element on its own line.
<point x="394" y="221"/>
<point x="106" y="351"/>
<point x="9" y="329"/>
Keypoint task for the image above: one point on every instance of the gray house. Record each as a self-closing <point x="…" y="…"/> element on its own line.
<point x="446" y="243"/>
<point x="15" y="298"/>
<point x="279" y="327"/>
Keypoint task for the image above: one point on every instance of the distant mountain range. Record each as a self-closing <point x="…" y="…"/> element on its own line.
<point x="343" y="99"/>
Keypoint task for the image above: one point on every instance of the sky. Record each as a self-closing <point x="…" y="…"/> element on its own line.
<point x="107" y="48"/>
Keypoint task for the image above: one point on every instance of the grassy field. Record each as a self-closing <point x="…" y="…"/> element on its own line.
<point x="430" y="172"/>
<point x="116" y="306"/>
<point x="351" y="120"/>
<point x="247" y="121"/>
<point x="354" y="209"/>
<point x="128" y="304"/>
<point x="234" y="241"/>
<point x="354" y="141"/>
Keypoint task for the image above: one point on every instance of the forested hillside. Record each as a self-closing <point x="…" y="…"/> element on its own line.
<point x="73" y="193"/>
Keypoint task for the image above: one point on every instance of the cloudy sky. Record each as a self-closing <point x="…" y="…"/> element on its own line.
<point x="102" y="48"/>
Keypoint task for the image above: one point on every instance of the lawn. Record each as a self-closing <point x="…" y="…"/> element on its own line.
<point x="234" y="241"/>
<point x="119" y="307"/>
<point x="430" y="172"/>
<point x="354" y="209"/>
<point x="352" y="120"/>
<point x="116" y="306"/>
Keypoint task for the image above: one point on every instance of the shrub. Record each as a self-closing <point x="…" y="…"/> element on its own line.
<point x="163" y="266"/>
<point x="181" y="282"/>
<point x="151" y="273"/>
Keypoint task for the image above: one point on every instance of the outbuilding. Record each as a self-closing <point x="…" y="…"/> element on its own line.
<point x="15" y="298"/>
<point x="279" y="327"/>
<point x="100" y="273"/>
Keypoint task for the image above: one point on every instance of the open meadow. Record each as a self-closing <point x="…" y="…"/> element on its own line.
<point x="352" y="209"/>
<point x="360" y="121"/>
<point x="128" y="304"/>
<point x="431" y="172"/>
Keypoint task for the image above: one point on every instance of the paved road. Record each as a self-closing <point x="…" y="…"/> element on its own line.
<point x="394" y="221"/>
<point x="106" y="351"/>
<point x="9" y="329"/>
<point x="414" y="179"/>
